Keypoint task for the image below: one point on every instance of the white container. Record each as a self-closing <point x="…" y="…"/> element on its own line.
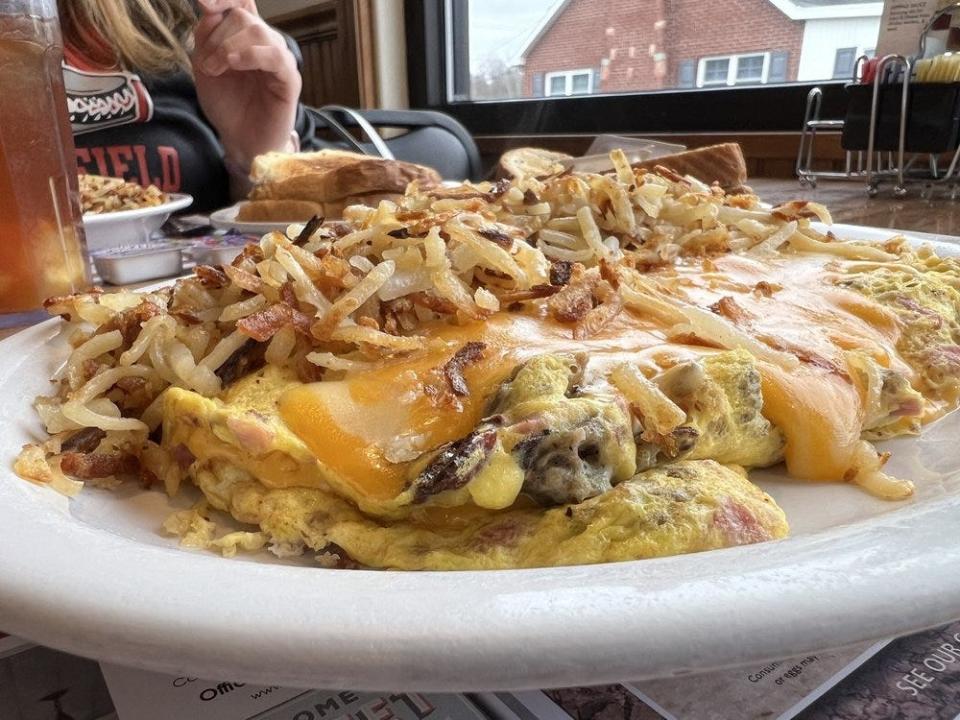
<point x="129" y="227"/>
<point x="122" y="266"/>
<point x="219" y="255"/>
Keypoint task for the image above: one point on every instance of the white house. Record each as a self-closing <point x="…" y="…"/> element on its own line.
<point x="835" y="34"/>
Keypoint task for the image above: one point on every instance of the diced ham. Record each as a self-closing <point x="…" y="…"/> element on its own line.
<point x="738" y="524"/>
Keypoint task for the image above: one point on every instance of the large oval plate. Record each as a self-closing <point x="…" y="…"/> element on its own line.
<point x="95" y="576"/>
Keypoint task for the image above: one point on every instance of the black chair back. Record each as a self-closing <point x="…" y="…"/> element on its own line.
<point x="429" y="138"/>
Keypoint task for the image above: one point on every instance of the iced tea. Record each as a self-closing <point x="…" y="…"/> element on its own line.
<point x="41" y="239"/>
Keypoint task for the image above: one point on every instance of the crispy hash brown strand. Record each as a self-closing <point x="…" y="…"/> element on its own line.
<point x="329" y="299"/>
<point x="471" y="352"/>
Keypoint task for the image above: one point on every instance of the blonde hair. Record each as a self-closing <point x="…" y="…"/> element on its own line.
<point x="145" y="36"/>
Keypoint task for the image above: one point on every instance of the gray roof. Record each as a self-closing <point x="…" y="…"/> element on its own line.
<point x="545" y="24"/>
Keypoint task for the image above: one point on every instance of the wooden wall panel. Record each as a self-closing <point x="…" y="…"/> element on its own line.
<point x="327" y="35"/>
<point x="366" y="52"/>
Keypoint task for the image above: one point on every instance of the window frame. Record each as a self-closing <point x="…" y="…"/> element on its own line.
<point x="764" y="68"/>
<point x="702" y="63"/>
<point x="567" y="75"/>
<point x="733" y="65"/>
<point x="853" y="64"/>
<point x="774" y="107"/>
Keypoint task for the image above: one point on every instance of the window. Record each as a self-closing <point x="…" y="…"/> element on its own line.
<point x="502" y="46"/>
<point x="843" y="63"/>
<point x="569" y="82"/>
<point x="715" y="71"/>
<point x="582" y="66"/>
<point x="580" y="83"/>
<point x="733" y="70"/>
<point x="750" y="69"/>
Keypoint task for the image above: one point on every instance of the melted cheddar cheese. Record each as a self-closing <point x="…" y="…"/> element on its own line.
<point x="355" y="425"/>
<point x="350" y="425"/>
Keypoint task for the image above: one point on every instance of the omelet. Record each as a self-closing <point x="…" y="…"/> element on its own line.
<point x="508" y="444"/>
<point x="721" y="394"/>
<point x="543" y="435"/>
<point x="542" y="453"/>
<point x="685" y="507"/>
<point x="925" y="298"/>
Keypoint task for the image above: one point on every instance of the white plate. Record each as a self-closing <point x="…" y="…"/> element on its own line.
<point x="94" y="576"/>
<point x="130" y="227"/>
<point x="226" y="219"/>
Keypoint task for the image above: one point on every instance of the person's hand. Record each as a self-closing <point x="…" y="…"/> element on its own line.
<point x="247" y="79"/>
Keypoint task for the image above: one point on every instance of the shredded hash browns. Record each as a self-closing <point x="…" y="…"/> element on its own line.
<point x="99" y="194"/>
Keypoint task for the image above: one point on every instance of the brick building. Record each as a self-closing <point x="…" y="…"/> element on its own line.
<point x="592" y="46"/>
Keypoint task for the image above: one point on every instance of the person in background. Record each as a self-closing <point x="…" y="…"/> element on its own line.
<point x="178" y="94"/>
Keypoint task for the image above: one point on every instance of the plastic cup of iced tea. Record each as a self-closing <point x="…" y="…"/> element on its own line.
<point x="42" y="251"/>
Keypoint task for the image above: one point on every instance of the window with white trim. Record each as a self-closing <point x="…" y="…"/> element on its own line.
<point x="747" y="69"/>
<point x="568" y="82"/>
<point x="750" y="69"/>
<point x="714" y="71"/>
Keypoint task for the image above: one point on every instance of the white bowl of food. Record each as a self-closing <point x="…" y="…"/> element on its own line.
<point x="118" y="213"/>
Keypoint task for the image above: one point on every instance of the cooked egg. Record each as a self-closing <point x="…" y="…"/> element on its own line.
<point x="685" y="507"/>
<point x="525" y="455"/>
